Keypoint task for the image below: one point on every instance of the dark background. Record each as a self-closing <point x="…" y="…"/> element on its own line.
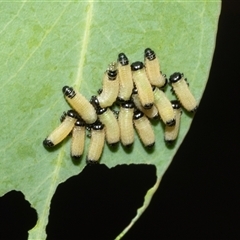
<point x="199" y="195"/>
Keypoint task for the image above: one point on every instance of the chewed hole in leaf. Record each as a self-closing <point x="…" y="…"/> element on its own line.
<point x="17" y="217"/>
<point x="99" y="202"/>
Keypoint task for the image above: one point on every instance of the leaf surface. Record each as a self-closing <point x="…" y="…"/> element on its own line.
<point x="46" y="45"/>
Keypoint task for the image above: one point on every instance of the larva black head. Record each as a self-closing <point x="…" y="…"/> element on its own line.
<point x="94" y="101"/>
<point x="137" y="114"/>
<point x="128" y="104"/>
<point x="194" y="110"/>
<point x="137" y="66"/>
<point x="149" y="54"/>
<point x="91" y="162"/>
<point x="71" y="113"/>
<point x="171" y="122"/>
<point x="97" y="125"/>
<point x="76" y="157"/>
<point x="80" y="122"/>
<point x="122" y="59"/>
<point x="112" y="71"/>
<point x="169" y="142"/>
<point x="100" y="110"/>
<point x="175" y="77"/>
<point x="175" y="104"/>
<point x="48" y="143"/>
<point x="68" y="91"/>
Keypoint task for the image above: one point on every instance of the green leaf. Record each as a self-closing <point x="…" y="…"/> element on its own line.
<point x="46" y="45"/>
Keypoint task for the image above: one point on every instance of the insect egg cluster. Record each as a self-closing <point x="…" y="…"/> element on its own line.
<point x="137" y="90"/>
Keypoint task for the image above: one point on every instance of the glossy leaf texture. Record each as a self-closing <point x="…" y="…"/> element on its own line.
<point x="46" y="45"/>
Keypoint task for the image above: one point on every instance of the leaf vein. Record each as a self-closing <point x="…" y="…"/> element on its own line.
<point x="7" y="24"/>
<point x="84" y="46"/>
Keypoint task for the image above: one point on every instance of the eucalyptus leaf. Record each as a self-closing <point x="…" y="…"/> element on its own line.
<point x="46" y="45"/>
